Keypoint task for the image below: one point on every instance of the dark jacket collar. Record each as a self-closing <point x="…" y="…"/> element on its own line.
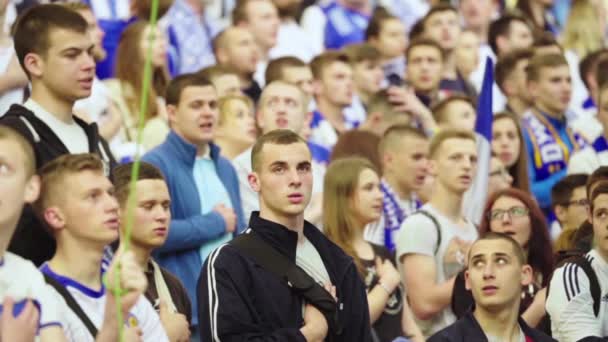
<point x="475" y="333"/>
<point x="285" y="241"/>
<point x="185" y="151"/>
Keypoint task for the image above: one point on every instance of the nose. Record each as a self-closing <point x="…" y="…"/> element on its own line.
<point x="295" y="179"/>
<point x="506" y="218"/>
<point x="488" y="271"/>
<point x="162" y="214"/>
<point x="89" y="62"/>
<point x="111" y="203"/>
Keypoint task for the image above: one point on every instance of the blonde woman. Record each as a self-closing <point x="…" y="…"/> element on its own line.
<point x="352" y="199"/>
<point x="585" y="28"/>
<point x="236" y="130"/>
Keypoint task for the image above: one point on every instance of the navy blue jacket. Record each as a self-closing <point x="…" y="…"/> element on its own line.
<point x="189" y="229"/>
<point x="240" y="301"/>
<point x="468" y="329"/>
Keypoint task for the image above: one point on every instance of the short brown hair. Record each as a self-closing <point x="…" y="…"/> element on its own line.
<point x="276" y="68"/>
<point x="322" y="61"/>
<point x="518" y="251"/>
<point x="440" y="7"/>
<point x="600" y="188"/>
<point x="215" y="71"/>
<point x="121" y="176"/>
<point x="538" y="62"/>
<point x="439" y="110"/>
<point x="276" y="137"/>
<point x="391" y="136"/>
<point x="55" y="175"/>
<point x="362" y="52"/>
<point x="239" y="12"/>
<point x="502" y="27"/>
<point x="8" y="133"/>
<point x="379" y="103"/>
<point x="76" y="6"/>
<point x="424" y="42"/>
<point x="506" y="65"/>
<point x="446" y="134"/>
<point x="358" y="143"/>
<point x="599" y="175"/>
<point x="178" y="84"/>
<point x="378" y="18"/>
<point x="32" y="31"/>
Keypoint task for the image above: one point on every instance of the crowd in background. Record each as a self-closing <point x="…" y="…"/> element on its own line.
<point x="452" y="174"/>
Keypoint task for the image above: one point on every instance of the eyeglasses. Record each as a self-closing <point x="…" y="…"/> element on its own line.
<point x="499" y="214"/>
<point x="583" y="202"/>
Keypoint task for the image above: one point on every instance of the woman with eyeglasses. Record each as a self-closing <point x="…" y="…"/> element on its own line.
<point x="515" y="213"/>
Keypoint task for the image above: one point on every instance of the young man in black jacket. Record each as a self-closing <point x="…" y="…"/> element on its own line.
<point x="239" y="299"/>
<point x="495" y="274"/>
<point x="55" y="51"/>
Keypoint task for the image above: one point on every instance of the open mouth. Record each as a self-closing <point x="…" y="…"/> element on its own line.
<point x="206" y="126"/>
<point x="113" y="223"/>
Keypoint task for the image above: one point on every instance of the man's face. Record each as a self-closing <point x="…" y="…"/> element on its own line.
<point x="455" y="164"/>
<point x="337" y="84"/>
<point x="460" y="115"/>
<point x="519" y="37"/>
<point x="602" y="113"/>
<point x="424" y="68"/>
<point x="301" y="77"/>
<point x="196" y="114"/>
<point x="553" y="89"/>
<point x="467" y="53"/>
<point x="227" y="84"/>
<point x="263" y="22"/>
<point x="89" y="209"/>
<point x="281" y="107"/>
<point x="495" y="276"/>
<point x="152" y="213"/>
<point x="368" y="76"/>
<point x="68" y="69"/>
<point x="477" y="13"/>
<point x="392" y="40"/>
<point x="576" y="211"/>
<point x="96" y="33"/>
<point x="443" y="27"/>
<point x="409" y="166"/>
<point x="599" y="219"/>
<point x="284" y="180"/>
<point x="16" y="187"/>
<point x="240" y="51"/>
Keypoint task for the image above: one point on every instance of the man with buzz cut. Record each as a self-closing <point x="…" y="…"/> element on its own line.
<point x="77" y="204"/>
<point x="55" y="50"/>
<point x="496" y="272"/>
<point x="243" y="298"/>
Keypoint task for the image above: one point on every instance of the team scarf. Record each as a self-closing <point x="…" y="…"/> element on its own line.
<point x="551" y="152"/>
<point x="394" y="213"/>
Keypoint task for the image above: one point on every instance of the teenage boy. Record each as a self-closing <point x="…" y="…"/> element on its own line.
<point x="368" y="76"/>
<point x="55" y="51"/>
<point x="404" y="172"/>
<point x="496" y="272"/>
<point x="225" y="79"/>
<point x="334" y="89"/>
<point x="382" y="115"/>
<point x="569" y="201"/>
<point x="291" y="70"/>
<point x="511" y="78"/>
<point x="549" y="139"/>
<point x="282" y="106"/>
<point x="423" y="70"/>
<point x="238" y="300"/>
<point x="592" y="157"/>
<point x="577" y="313"/>
<point x="37" y="308"/>
<point x="429" y="263"/>
<point x="508" y="33"/>
<point x="78" y="206"/>
<point x="149" y="229"/>
<point x="455" y="112"/>
<point x="206" y="203"/>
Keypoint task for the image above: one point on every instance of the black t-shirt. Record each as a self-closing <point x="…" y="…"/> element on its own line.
<point x="388" y="326"/>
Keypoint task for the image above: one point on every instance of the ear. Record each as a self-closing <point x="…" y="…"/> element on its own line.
<point x="501" y="43"/>
<point x="34" y="64"/>
<point x="172" y="114"/>
<point x="32" y="189"/>
<point x="467" y="281"/>
<point x="254" y="181"/>
<point x="54" y="218"/>
<point x="560" y="213"/>
<point x="527" y="275"/>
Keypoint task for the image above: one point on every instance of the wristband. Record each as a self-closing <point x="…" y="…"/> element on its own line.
<point x="389" y="293"/>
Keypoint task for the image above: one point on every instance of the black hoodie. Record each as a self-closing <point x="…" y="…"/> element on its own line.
<point x="31" y="240"/>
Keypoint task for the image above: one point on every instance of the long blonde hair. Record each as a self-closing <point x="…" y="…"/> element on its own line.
<point x="341" y="181"/>
<point x="583" y="32"/>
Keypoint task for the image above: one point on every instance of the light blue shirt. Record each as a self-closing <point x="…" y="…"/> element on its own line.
<point x="212" y="192"/>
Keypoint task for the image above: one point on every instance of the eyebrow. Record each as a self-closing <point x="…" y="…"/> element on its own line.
<point x="78" y="49"/>
<point x="304" y="163"/>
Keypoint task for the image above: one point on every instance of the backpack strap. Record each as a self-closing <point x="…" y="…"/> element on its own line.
<point x="435" y="223"/>
<point x="286" y="270"/>
<point x="72" y="304"/>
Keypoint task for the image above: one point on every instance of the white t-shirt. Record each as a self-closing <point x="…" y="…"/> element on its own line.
<point x="21" y="280"/>
<point x="418" y="235"/>
<point x="587" y="160"/>
<point x="71" y="134"/>
<point x="93" y="303"/>
<point x="570" y="303"/>
<point x="309" y="259"/>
